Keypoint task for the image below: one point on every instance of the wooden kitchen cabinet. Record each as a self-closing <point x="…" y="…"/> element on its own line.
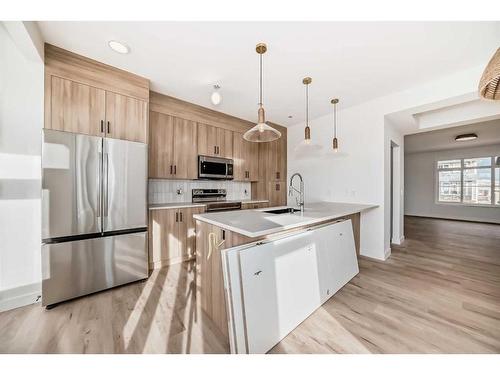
<point x="80" y="108"/>
<point x="277" y="193"/>
<point x="254" y="206"/>
<point x="126" y="118"/>
<point x="246" y="159"/>
<point x="76" y="108"/>
<point x="172" y="237"/>
<point x="214" y="141"/>
<point x="173" y="150"/>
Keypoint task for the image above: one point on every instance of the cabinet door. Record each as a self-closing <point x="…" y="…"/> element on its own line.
<point x="239" y="157"/>
<point x="185" y="157"/>
<point x="164" y="241"/>
<point x="207" y="140"/>
<point x="252" y="160"/>
<point x="161" y="152"/>
<point x="224" y="143"/>
<point x="187" y="231"/>
<point x="76" y="108"/>
<point x="277" y="193"/>
<point x="126" y="118"/>
<point x="258" y="280"/>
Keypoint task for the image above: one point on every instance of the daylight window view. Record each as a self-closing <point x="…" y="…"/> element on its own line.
<point x="469" y="181"/>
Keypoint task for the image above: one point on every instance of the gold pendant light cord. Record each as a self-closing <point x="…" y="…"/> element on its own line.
<point x="260" y="91"/>
<point x="307" y="105"/>
<point x="335" y="120"/>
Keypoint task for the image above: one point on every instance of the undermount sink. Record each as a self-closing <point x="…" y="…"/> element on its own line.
<point x="287" y="210"/>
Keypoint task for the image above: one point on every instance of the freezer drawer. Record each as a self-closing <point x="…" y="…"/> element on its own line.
<point x="73" y="269"/>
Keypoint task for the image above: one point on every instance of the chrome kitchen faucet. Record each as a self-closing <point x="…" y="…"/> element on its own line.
<point x="291" y="189"/>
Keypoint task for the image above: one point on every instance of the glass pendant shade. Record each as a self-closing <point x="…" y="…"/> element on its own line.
<point x="261" y="132"/>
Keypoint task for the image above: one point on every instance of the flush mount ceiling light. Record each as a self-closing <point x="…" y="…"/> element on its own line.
<point x="465" y="137"/>
<point x="118" y="47"/>
<point x="489" y="85"/>
<point x="261" y="132"/>
<point x="307" y="148"/>
<point x="216" y="97"/>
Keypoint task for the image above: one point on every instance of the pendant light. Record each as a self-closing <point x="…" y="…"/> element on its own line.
<point x="335" y="143"/>
<point x="306" y="148"/>
<point x="336" y="153"/>
<point x="261" y="132"/>
<point x="489" y="86"/>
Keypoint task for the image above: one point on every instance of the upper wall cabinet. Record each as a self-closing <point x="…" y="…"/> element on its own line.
<point x="173" y="147"/>
<point x="214" y="141"/>
<point x="88" y="97"/>
<point x="126" y="118"/>
<point x="76" y="107"/>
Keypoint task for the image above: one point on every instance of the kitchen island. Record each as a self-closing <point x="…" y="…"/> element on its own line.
<point x="272" y="248"/>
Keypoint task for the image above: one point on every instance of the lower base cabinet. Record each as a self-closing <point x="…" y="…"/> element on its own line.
<point x="272" y="287"/>
<point x="172" y="237"/>
<point x="254" y="206"/>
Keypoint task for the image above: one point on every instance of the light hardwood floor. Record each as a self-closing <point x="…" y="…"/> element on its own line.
<point x="438" y="293"/>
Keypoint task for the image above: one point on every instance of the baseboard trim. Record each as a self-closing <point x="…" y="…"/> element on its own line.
<point x="387" y="253"/>
<point x="19" y="297"/>
<point x="453" y="219"/>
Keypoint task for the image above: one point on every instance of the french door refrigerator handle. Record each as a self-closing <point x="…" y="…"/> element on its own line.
<point x="99" y="192"/>
<point x="105" y="186"/>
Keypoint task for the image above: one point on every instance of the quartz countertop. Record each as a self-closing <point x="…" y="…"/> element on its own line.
<point x="159" y="206"/>
<point x="257" y="223"/>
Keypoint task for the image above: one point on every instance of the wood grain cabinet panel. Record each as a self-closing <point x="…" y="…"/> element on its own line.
<point x="172" y="235"/>
<point x="185" y="158"/>
<point x="213" y="141"/>
<point x="161" y="152"/>
<point x="126" y="117"/>
<point x="173" y="148"/>
<point x="75" y="107"/>
<point x="164" y="242"/>
<point x="246" y="159"/>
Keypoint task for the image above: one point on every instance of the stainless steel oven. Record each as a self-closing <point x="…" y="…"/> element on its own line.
<point x="215" y="168"/>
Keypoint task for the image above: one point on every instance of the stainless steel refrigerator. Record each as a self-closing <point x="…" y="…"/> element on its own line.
<point x="94" y="214"/>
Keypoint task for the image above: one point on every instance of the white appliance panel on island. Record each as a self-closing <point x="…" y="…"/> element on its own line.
<point x="271" y="287"/>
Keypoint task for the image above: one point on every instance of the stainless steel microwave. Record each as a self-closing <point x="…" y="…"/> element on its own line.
<point x="215" y="168"/>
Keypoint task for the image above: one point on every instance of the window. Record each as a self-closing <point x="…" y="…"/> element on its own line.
<point x="474" y="181"/>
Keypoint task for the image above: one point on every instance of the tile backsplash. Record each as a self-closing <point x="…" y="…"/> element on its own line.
<point x="173" y="191"/>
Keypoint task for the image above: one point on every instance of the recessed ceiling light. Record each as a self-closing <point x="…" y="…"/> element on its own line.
<point x="118" y="47"/>
<point x="465" y="137"/>
<point x="290" y="116"/>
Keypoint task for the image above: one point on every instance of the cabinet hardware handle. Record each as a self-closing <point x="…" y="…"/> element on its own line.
<point x="277" y="175"/>
<point x="171" y="170"/>
<point x="223" y="234"/>
<point x="257" y="273"/>
<point x="175" y="169"/>
<point x="277" y="187"/>
<point x="180" y="213"/>
<point x="108" y="127"/>
<point x="176" y="217"/>
<point x="102" y="126"/>
<point x="215" y="150"/>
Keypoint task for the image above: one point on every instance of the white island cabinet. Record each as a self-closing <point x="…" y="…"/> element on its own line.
<point x="272" y="286"/>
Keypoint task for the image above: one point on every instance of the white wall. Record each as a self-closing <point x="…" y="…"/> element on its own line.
<point x="420" y="186"/>
<point x="21" y="120"/>
<point x="363" y="174"/>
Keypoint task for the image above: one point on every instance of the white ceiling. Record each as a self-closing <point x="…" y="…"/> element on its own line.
<point x="355" y="61"/>
<point x="444" y="139"/>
